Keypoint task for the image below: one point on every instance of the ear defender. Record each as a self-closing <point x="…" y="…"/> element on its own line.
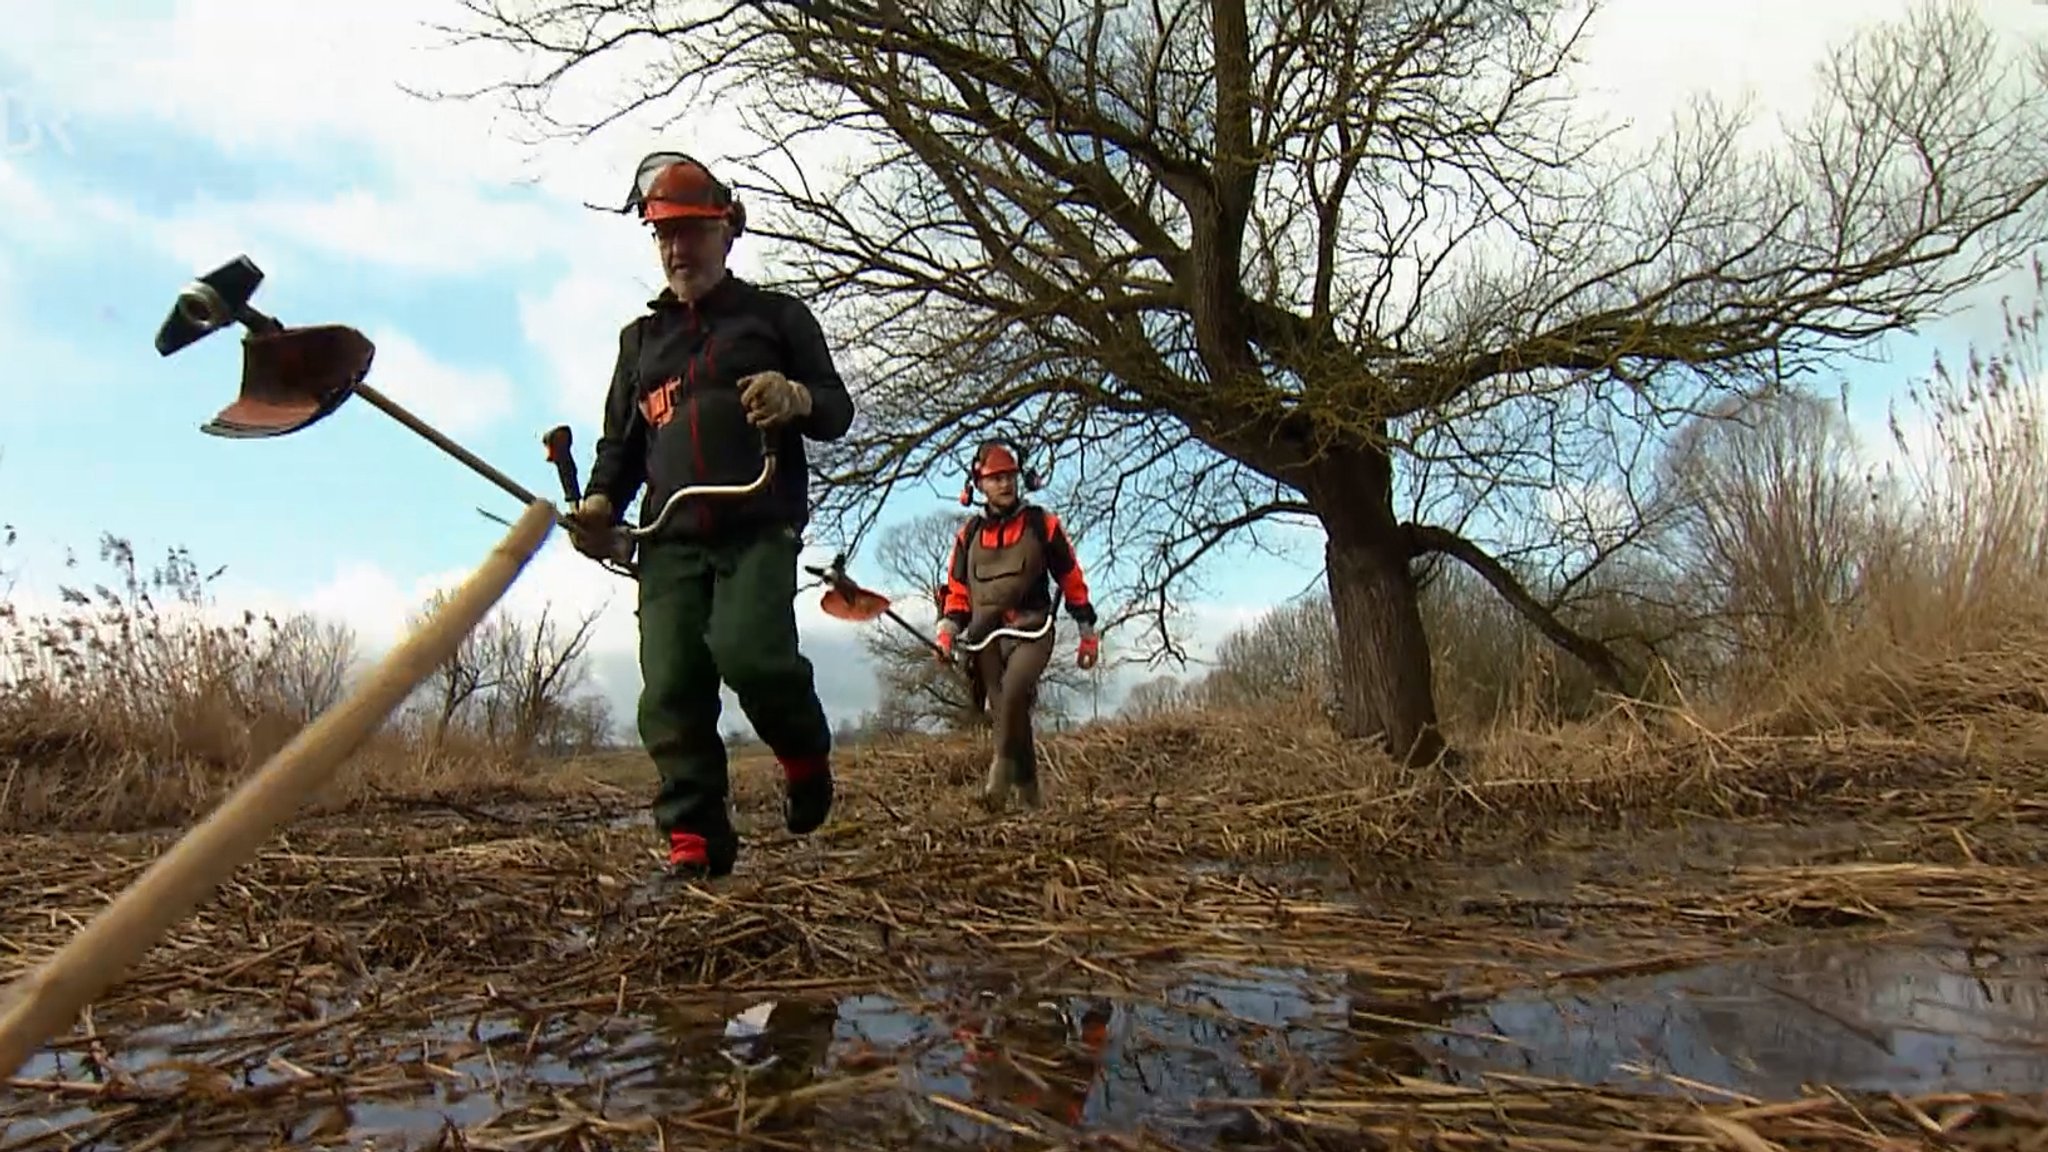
<point x="668" y="185"/>
<point x="1013" y="458"/>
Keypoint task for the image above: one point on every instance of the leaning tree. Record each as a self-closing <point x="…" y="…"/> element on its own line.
<point x="1358" y="263"/>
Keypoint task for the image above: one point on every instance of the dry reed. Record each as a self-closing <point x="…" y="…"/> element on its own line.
<point x="498" y="978"/>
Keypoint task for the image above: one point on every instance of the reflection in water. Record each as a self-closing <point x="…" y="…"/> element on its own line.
<point x="969" y="1066"/>
<point x="1098" y="1063"/>
<point x="1907" y="1020"/>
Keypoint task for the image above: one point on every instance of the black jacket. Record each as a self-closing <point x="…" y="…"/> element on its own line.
<point x="673" y="417"/>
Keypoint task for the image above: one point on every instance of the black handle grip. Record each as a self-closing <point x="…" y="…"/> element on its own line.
<point x="557" y="441"/>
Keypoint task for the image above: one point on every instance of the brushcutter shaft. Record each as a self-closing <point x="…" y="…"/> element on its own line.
<point x="433" y="436"/>
<point x="837" y="578"/>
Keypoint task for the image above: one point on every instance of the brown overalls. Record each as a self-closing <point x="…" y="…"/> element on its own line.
<point x="1008" y="669"/>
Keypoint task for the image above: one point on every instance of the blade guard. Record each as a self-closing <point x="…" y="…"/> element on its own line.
<point x="851" y="602"/>
<point x="293" y="378"/>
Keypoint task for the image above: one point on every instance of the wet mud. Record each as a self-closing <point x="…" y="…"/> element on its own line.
<point x="470" y="983"/>
<point x="963" y="1066"/>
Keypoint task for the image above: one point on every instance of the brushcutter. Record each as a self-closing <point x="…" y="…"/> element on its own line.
<point x="846" y="600"/>
<point x="294" y="377"/>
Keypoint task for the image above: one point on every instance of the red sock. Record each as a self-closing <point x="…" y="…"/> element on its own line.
<point x="687" y="848"/>
<point x="798" y="769"/>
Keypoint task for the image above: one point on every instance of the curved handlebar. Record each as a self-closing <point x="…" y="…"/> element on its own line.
<point x="675" y="498"/>
<point x="625" y="535"/>
<point x="1035" y="634"/>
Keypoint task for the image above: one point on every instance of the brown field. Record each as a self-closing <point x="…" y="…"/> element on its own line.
<point x="1790" y="895"/>
<point x="1633" y="932"/>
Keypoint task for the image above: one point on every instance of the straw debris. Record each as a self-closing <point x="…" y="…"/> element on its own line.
<point x="463" y="975"/>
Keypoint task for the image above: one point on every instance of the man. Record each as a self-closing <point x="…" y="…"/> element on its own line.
<point x="997" y="578"/>
<point x="714" y="370"/>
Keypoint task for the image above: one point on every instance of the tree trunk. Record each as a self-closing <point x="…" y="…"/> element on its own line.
<point x="1386" y="689"/>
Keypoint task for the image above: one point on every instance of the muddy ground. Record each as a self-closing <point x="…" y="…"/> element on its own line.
<point x="497" y="975"/>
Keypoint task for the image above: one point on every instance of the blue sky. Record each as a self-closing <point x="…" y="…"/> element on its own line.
<point x="493" y="295"/>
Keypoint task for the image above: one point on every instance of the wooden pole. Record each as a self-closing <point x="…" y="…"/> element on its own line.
<point x="42" y="1002"/>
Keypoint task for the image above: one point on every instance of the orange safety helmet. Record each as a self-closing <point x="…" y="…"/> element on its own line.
<point x="676" y="186"/>
<point x="996" y="458"/>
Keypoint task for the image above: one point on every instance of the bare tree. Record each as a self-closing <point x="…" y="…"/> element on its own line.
<point x="1778" y="521"/>
<point x="917" y="691"/>
<point x="1158" y="696"/>
<point x="1288" y="655"/>
<point x="466" y="678"/>
<point x="310" y="664"/>
<point x="541" y="667"/>
<point x="582" y="725"/>
<point x="1246" y="262"/>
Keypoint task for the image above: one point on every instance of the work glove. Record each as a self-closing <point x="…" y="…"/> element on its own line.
<point x="592" y="528"/>
<point x="1090" y="648"/>
<point x="947" y="631"/>
<point x="772" y="399"/>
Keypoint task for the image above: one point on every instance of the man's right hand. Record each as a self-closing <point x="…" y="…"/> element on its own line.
<point x="947" y="631"/>
<point x="592" y="528"/>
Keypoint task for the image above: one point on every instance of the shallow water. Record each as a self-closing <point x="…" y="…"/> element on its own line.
<point x="1905" y="1019"/>
<point x="972" y="1065"/>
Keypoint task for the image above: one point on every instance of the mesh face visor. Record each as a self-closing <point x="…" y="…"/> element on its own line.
<point x="669" y="185"/>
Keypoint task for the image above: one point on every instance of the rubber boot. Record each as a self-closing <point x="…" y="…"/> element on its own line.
<point x="697" y="859"/>
<point x="1024" y="774"/>
<point x="995" y="790"/>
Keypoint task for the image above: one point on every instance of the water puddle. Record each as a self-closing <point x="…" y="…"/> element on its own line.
<point x="966" y="1066"/>
<point x="1906" y="1019"/>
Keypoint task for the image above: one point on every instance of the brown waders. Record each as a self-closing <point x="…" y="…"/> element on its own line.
<point x="1008" y="669"/>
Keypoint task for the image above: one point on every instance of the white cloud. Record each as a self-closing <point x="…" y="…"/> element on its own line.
<point x="431" y="228"/>
<point x="1596" y="515"/>
<point x="301" y="82"/>
<point x="23" y="204"/>
<point x="269" y="81"/>
<point x="574" y="325"/>
<point x="453" y="399"/>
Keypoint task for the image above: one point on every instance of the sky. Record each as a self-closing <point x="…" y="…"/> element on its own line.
<point x="142" y="143"/>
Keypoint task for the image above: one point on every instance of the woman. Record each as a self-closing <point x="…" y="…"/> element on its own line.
<point x="999" y="576"/>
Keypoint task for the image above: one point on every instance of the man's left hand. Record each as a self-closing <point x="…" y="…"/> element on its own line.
<point x="771" y="399"/>
<point x="1090" y="649"/>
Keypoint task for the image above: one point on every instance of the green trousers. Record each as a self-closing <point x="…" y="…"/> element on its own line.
<point x="717" y="612"/>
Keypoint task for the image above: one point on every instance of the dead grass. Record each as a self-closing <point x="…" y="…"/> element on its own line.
<point x="496" y="979"/>
<point x="138" y="703"/>
<point x="482" y="971"/>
